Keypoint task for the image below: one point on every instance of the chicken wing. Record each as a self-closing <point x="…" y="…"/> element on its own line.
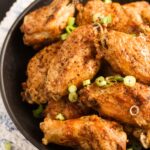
<point x="127" y="18"/>
<point x="34" y="87"/>
<point x="129" y="105"/>
<point x="47" y="23"/>
<point x="93" y="7"/>
<point x="86" y="133"/>
<point x="76" y="61"/>
<point x="67" y="109"/>
<point x="126" y="54"/>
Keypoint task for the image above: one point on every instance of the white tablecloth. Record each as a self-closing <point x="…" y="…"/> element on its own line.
<point x="8" y="131"/>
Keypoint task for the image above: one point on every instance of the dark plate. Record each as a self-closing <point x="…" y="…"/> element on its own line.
<point x="14" y="58"/>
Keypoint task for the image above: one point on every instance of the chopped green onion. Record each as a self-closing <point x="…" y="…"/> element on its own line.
<point x="7" y="145"/>
<point x="72" y="88"/>
<point x="130" y="149"/>
<point x="108" y="1"/>
<point x="71" y="21"/>
<point x="37" y="112"/>
<point x="60" y="117"/>
<point x="73" y="97"/>
<point x="64" y="36"/>
<point x="116" y="78"/>
<point x="86" y="82"/>
<point x="69" y="29"/>
<point x="129" y="81"/>
<point x="100" y="81"/>
<point x="106" y="20"/>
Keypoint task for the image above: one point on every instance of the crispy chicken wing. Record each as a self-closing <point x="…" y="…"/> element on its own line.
<point x="86" y="14"/>
<point x="127" y="55"/>
<point x="67" y="109"/>
<point x="86" y="133"/>
<point x="76" y="61"/>
<point x="47" y="23"/>
<point x="34" y="87"/>
<point x="129" y="105"/>
<point x="127" y="18"/>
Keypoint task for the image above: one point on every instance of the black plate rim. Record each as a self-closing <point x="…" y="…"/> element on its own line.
<point x="2" y="87"/>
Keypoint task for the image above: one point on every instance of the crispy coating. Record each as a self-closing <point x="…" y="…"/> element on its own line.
<point x="86" y="133"/>
<point x="76" y="61"/>
<point x="67" y="109"/>
<point x="127" y="55"/>
<point x="34" y="87"/>
<point x="47" y="23"/>
<point x="129" y="105"/>
<point x="127" y="18"/>
<point x="138" y="11"/>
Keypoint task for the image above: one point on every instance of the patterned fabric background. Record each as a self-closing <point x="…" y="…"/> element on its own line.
<point x="8" y="131"/>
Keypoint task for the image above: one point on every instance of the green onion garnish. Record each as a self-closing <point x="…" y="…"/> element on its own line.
<point x="64" y="36"/>
<point x="86" y="82"/>
<point x="116" y="78"/>
<point x="73" y="97"/>
<point x="71" y="21"/>
<point x="7" y="145"/>
<point x="106" y="20"/>
<point x="108" y="1"/>
<point x="70" y="27"/>
<point x="129" y="81"/>
<point x="100" y="81"/>
<point x="37" y="112"/>
<point x="72" y="88"/>
<point x="60" y="117"/>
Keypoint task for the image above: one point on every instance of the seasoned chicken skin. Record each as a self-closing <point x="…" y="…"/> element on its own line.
<point x="47" y="23"/>
<point x="86" y="133"/>
<point x="126" y="54"/>
<point x="76" y="61"/>
<point x="67" y="109"/>
<point x="34" y="87"/>
<point x="129" y="105"/>
<point x="138" y="11"/>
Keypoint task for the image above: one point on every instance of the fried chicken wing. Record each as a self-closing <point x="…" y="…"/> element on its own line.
<point x="86" y="14"/>
<point x="34" y="87"/>
<point x="86" y="133"/>
<point x="127" y="18"/>
<point x="67" y="109"/>
<point x="127" y="55"/>
<point x="47" y="23"/>
<point x="76" y="61"/>
<point x="129" y="105"/>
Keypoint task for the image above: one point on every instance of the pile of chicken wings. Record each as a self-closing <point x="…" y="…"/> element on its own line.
<point x="108" y="39"/>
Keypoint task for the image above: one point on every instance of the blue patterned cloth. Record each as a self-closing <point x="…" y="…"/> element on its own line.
<point x="8" y="131"/>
